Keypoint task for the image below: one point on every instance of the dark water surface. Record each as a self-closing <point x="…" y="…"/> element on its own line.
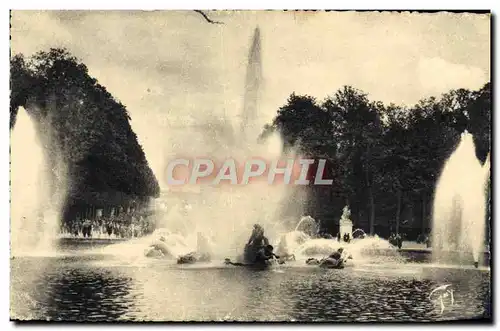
<point x="97" y="288"/>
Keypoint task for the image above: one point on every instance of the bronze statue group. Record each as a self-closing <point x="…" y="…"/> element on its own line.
<point x="258" y="253"/>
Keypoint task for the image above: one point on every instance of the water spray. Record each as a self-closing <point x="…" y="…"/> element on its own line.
<point x="459" y="211"/>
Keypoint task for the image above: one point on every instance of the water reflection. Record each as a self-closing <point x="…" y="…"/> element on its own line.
<point x="72" y="289"/>
<point x="262" y="296"/>
<point x="93" y="295"/>
<point x="63" y="292"/>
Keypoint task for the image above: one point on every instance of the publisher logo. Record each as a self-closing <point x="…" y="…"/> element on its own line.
<point x="442" y="297"/>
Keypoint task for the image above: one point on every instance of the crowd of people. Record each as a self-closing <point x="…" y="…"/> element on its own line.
<point x="122" y="226"/>
<point x="396" y="239"/>
<point x="424" y="239"/>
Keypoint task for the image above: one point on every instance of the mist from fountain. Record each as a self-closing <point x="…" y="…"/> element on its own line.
<point x="369" y="249"/>
<point x="36" y="194"/>
<point x="459" y="210"/>
<point x="224" y="214"/>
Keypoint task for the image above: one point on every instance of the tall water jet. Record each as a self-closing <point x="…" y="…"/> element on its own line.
<point x="459" y="211"/>
<point x="36" y="194"/>
<point x="28" y="184"/>
<point x="253" y="83"/>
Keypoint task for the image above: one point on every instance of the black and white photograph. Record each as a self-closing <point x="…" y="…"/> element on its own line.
<point x="307" y="166"/>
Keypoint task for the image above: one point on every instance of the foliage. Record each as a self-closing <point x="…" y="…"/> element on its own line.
<point x="387" y="158"/>
<point x="89" y="129"/>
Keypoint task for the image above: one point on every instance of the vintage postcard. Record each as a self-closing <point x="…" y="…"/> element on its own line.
<point x="242" y="166"/>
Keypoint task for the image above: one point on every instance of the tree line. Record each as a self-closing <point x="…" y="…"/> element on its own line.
<point x="88" y="129"/>
<point x="385" y="159"/>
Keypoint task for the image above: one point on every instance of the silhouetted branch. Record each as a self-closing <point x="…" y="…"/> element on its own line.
<point x="207" y="18"/>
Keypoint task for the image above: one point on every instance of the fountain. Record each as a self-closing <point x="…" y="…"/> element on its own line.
<point x="35" y="196"/>
<point x="226" y="213"/>
<point x="358" y="233"/>
<point x="302" y="246"/>
<point x="310" y="226"/>
<point x="459" y="211"/>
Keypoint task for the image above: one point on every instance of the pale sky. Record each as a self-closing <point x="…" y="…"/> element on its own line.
<point x="169" y="66"/>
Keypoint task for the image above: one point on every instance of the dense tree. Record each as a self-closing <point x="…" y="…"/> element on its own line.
<point x="386" y="158"/>
<point x="358" y="131"/>
<point x="303" y="124"/>
<point x="479" y="112"/>
<point x="86" y="128"/>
